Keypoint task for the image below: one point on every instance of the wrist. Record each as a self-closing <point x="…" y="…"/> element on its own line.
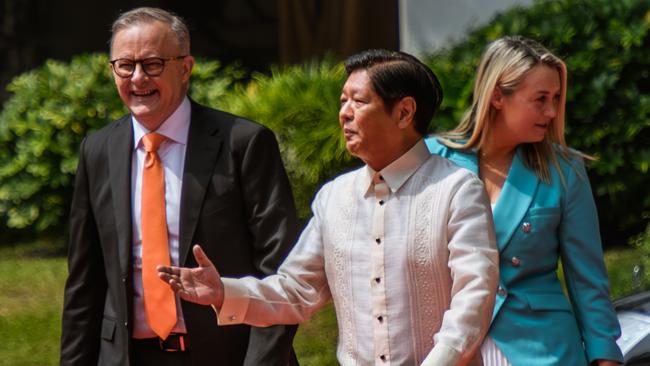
<point x="220" y="295"/>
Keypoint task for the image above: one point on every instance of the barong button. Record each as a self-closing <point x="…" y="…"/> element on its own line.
<point x="382" y="357"/>
<point x="525" y="227"/>
<point x="378" y="241"/>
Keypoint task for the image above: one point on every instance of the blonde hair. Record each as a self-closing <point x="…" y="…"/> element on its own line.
<point x="504" y="65"/>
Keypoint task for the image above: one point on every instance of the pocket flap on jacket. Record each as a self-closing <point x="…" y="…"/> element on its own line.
<point x="548" y="302"/>
<point x="108" y="329"/>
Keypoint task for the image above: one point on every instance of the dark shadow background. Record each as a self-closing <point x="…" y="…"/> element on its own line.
<point x="254" y="33"/>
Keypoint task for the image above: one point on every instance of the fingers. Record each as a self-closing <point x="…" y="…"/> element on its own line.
<point x="172" y="280"/>
<point x="201" y="259"/>
<point x="169" y="270"/>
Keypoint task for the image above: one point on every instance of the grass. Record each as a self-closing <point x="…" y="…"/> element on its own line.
<point x="620" y="266"/>
<point x="31" y="299"/>
<point x="30" y="308"/>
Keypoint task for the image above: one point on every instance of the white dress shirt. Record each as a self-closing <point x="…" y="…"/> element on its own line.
<point x="411" y="266"/>
<point x="172" y="155"/>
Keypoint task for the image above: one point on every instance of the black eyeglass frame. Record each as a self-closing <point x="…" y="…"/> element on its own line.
<point x="142" y="65"/>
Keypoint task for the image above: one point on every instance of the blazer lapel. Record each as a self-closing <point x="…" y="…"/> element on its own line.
<point x="467" y="160"/>
<point x="120" y="145"/>
<point x="203" y="146"/>
<point x="515" y="199"/>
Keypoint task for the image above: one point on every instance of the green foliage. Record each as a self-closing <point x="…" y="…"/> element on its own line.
<point x="300" y="104"/>
<point x="642" y="243"/>
<point x="606" y="45"/>
<point x="41" y="126"/>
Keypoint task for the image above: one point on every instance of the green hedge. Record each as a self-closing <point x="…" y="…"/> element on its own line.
<point x="605" y="44"/>
<point x="41" y="127"/>
<point x="300" y="103"/>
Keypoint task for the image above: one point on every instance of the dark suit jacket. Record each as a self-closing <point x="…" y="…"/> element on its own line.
<point x="236" y="202"/>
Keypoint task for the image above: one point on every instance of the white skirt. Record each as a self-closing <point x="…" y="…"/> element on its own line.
<point x="492" y="355"/>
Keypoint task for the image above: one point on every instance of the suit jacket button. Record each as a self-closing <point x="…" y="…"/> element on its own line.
<point x="515" y="261"/>
<point x="501" y="291"/>
<point x="525" y="227"/>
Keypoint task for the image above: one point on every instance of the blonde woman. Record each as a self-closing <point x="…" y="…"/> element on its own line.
<point x="513" y="138"/>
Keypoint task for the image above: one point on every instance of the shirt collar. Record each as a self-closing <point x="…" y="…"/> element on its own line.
<point x="400" y="170"/>
<point x="175" y="128"/>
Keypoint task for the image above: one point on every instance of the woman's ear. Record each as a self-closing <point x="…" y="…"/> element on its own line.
<point x="405" y="109"/>
<point x="497" y="98"/>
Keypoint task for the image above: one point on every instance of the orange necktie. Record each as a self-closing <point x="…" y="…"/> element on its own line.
<point x="159" y="301"/>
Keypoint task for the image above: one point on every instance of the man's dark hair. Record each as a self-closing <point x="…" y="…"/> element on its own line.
<point x="395" y="75"/>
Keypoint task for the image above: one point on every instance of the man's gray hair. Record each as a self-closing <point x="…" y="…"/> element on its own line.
<point x="146" y="15"/>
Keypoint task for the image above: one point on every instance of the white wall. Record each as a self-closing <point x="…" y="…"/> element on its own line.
<point x="429" y="24"/>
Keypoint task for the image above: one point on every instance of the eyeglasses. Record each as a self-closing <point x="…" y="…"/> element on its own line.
<point x="152" y="66"/>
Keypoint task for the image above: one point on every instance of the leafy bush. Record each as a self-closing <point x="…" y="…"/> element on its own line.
<point x="41" y="127"/>
<point x="300" y="104"/>
<point x="606" y="45"/>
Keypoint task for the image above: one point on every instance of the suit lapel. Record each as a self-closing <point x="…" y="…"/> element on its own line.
<point x="203" y="146"/>
<point x="120" y="145"/>
<point x="515" y="199"/>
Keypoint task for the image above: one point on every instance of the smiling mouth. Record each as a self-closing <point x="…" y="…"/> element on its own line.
<point x="146" y="93"/>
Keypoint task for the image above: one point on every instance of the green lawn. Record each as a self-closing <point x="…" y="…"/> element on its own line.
<point x="31" y="291"/>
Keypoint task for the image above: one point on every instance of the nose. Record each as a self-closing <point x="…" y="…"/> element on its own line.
<point x="345" y="113"/>
<point x="138" y="73"/>
<point x="550" y="110"/>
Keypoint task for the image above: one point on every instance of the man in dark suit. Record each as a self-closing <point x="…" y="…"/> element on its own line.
<point x="222" y="184"/>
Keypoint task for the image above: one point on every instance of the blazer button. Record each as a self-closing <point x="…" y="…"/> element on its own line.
<point x="501" y="291"/>
<point x="525" y="227"/>
<point x="515" y="262"/>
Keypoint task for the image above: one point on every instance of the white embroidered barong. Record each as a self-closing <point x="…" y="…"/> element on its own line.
<point x="412" y="271"/>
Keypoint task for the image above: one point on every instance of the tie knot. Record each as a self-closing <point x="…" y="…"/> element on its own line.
<point x="151" y="141"/>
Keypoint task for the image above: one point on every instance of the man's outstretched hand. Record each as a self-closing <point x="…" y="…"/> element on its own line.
<point x="201" y="285"/>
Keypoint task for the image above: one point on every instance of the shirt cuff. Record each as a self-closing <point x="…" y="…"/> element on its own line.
<point x="235" y="302"/>
<point x="441" y="355"/>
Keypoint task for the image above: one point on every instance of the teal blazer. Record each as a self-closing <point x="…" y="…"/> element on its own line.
<point x="536" y="225"/>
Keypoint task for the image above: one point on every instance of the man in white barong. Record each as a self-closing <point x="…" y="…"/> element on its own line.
<point x="404" y="246"/>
